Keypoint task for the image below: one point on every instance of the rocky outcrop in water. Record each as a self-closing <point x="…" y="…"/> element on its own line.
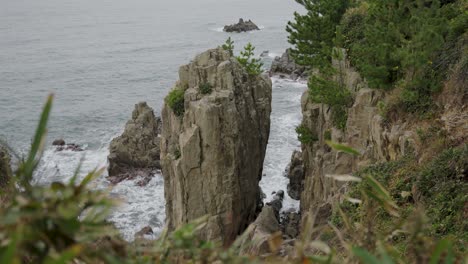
<point x="285" y="66"/>
<point x="61" y="145"/>
<point x="212" y="150"/>
<point x="241" y="26"/>
<point x="5" y="167"/>
<point x="138" y="148"/>
<point x="295" y="173"/>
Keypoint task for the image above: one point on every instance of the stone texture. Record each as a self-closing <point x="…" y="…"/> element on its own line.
<point x="295" y="173"/>
<point x="285" y="65"/>
<point x="365" y="131"/>
<point x="212" y="156"/>
<point x="139" y="145"/>
<point x="257" y="239"/>
<point x="241" y="26"/>
<point x="5" y="167"/>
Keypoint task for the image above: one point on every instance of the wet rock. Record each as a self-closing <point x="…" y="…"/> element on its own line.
<point x="144" y="176"/>
<point x="277" y="202"/>
<point x="295" y="173"/>
<point x="138" y="148"/>
<point x="241" y="26"/>
<point x="285" y="66"/>
<point x="5" y="167"/>
<point x="58" y="142"/>
<point x="145" y="231"/>
<point x="69" y="147"/>
<point x="212" y="155"/>
<point x="265" y="53"/>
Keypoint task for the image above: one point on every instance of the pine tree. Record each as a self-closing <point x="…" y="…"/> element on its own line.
<point x="312" y="34"/>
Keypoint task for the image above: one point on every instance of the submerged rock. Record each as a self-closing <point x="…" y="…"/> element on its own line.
<point x="212" y="150"/>
<point x="138" y="148"/>
<point x="241" y="26"/>
<point x="5" y="167"/>
<point x="58" y="142"/>
<point x="145" y="231"/>
<point x="285" y="65"/>
<point x="70" y="147"/>
<point x="295" y="173"/>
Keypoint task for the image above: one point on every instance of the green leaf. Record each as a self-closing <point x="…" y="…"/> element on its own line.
<point x="444" y="245"/>
<point x="38" y="142"/>
<point x="365" y="256"/>
<point x="344" y="148"/>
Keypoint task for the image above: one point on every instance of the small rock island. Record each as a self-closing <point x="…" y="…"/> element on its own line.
<point x="241" y="26"/>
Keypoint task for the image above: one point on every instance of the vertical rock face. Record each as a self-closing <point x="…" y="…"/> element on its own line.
<point x="212" y="155"/>
<point x="295" y="173"/>
<point x="139" y="145"/>
<point x="5" y="169"/>
<point x="365" y="131"/>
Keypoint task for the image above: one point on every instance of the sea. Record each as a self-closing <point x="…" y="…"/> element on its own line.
<point x="101" y="57"/>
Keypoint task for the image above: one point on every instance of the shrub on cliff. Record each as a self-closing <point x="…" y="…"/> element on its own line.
<point x="205" y="88"/>
<point x="229" y="46"/>
<point x="252" y="65"/>
<point x="392" y="44"/>
<point x="175" y="100"/>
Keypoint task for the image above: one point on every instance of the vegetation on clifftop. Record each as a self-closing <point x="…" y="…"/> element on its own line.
<point x="409" y="45"/>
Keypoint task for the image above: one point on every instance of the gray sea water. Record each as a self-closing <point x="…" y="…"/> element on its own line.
<point x="100" y="57"/>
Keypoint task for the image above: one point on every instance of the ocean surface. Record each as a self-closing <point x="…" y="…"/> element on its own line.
<point x="101" y="57"/>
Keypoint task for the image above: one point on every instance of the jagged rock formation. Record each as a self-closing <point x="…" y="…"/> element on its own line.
<point x="139" y="146"/>
<point x="212" y="155"/>
<point x="285" y="65"/>
<point x="295" y="173"/>
<point x="241" y="26"/>
<point x="366" y="131"/>
<point x="5" y="167"/>
<point x="256" y="239"/>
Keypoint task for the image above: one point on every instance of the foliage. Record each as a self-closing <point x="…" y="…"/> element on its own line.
<point x="51" y="224"/>
<point x="176" y="101"/>
<point x="312" y="35"/>
<point x="443" y="185"/>
<point x="253" y="66"/>
<point x="205" y="88"/>
<point x="396" y="43"/>
<point x="333" y="94"/>
<point x="304" y="135"/>
<point x="229" y="46"/>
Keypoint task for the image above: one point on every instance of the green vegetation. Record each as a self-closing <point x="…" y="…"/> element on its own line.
<point x="229" y="46"/>
<point x="252" y="65"/>
<point x="175" y="100"/>
<point x="439" y="187"/>
<point x="304" y="135"/>
<point x="327" y="135"/>
<point x="411" y="45"/>
<point x="205" y="88"/>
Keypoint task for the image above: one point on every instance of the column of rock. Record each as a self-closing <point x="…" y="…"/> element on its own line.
<point x="213" y="147"/>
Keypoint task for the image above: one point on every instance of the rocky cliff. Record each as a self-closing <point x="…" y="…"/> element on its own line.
<point x="216" y="123"/>
<point x="377" y="138"/>
<point x="139" y="145"/>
